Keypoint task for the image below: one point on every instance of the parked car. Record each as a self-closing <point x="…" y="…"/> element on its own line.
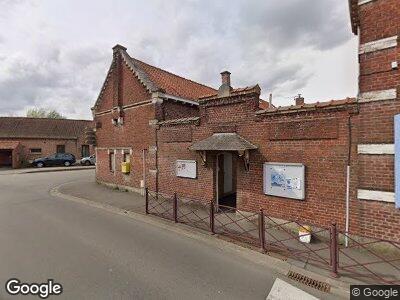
<point x="90" y="160"/>
<point x="57" y="159"/>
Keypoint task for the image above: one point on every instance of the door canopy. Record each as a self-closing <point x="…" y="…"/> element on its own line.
<point x="224" y="142"/>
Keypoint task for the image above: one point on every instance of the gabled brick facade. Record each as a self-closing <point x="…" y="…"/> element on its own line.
<point x="134" y="96"/>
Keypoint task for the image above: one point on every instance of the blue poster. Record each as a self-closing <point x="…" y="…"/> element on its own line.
<point x="397" y="159"/>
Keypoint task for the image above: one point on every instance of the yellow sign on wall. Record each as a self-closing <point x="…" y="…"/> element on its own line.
<point x="125" y="167"/>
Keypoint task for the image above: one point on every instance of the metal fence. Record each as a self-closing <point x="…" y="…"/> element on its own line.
<point x="283" y="237"/>
<point x="239" y="225"/>
<point x="371" y="260"/>
<point x="364" y="259"/>
<point x="160" y="205"/>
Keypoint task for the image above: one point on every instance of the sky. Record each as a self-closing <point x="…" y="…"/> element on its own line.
<point x="55" y="54"/>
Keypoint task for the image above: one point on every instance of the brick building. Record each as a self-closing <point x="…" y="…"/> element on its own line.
<point x="24" y="139"/>
<point x="217" y="145"/>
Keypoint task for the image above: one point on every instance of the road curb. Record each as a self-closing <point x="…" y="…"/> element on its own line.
<point x="338" y="288"/>
<point x="57" y="170"/>
<point x="45" y="170"/>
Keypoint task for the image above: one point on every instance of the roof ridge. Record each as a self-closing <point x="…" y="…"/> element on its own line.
<point x="66" y="119"/>
<point x="313" y="105"/>
<point x="184" y="78"/>
<point x="140" y="73"/>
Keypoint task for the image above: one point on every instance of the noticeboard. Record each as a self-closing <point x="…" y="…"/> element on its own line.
<point x="186" y="168"/>
<point x="284" y="180"/>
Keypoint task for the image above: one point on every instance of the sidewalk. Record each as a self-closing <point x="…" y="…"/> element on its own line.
<point x="93" y="191"/>
<point x="9" y="171"/>
<point x="128" y="201"/>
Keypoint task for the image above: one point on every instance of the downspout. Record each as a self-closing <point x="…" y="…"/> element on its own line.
<point x="157" y="159"/>
<point x="346" y="240"/>
<point x="347" y="225"/>
<point x="144" y="169"/>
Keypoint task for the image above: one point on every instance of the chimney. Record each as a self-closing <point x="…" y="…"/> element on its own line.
<point x="118" y="47"/>
<point x="299" y="100"/>
<point x="226" y="77"/>
<point x="225" y="88"/>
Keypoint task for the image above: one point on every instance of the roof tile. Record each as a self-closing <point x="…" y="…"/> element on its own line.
<point x="173" y="84"/>
<point x="22" y="127"/>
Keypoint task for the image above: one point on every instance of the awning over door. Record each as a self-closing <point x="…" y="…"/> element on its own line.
<point x="223" y="142"/>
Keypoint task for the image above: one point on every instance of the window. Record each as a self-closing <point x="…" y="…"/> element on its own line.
<point x="111" y="161"/>
<point x="85" y="151"/>
<point x="36" y="150"/>
<point x="127" y="157"/>
<point x="60" y="149"/>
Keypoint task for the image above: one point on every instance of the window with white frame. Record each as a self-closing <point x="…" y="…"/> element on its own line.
<point x="111" y="161"/>
<point x="35" y="150"/>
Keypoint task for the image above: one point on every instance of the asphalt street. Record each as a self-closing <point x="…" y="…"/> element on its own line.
<point x="95" y="254"/>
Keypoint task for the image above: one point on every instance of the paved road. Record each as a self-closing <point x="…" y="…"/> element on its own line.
<point x="96" y="254"/>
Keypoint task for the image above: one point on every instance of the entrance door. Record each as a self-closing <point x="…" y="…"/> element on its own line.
<point x="226" y="180"/>
<point x="85" y="151"/>
<point x="5" y="158"/>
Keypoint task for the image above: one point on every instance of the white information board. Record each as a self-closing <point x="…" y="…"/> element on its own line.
<point x="284" y="180"/>
<point x="186" y="168"/>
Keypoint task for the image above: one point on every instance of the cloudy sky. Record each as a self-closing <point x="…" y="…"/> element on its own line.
<point x="55" y="53"/>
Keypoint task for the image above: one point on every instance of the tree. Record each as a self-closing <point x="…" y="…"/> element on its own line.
<point x="42" y="113"/>
<point x="53" y="114"/>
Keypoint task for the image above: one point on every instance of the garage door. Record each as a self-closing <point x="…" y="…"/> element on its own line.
<point x="5" y="158"/>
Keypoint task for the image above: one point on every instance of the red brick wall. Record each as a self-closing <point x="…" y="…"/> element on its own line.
<point x="375" y="122"/>
<point x="323" y="150"/>
<point x="201" y="188"/>
<point x="379" y="19"/>
<point x="132" y="89"/>
<point x="330" y="166"/>
<point x="371" y="165"/>
<point x="134" y="135"/>
<point x="107" y="95"/>
<point x="176" y="110"/>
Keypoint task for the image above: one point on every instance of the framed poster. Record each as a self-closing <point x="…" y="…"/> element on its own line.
<point x="284" y="180"/>
<point x="186" y="168"/>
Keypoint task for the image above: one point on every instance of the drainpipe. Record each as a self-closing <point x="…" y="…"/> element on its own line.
<point x="144" y="168"/>
<point x="346" y="240"/>
<point x="156" y="160"/>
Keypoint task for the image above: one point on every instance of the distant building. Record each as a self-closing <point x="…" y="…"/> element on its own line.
<point x="24" y="139"/>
